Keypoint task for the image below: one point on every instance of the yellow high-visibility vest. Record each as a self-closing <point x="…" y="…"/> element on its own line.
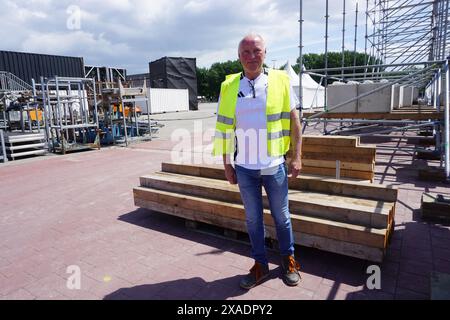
<point x="278" y="113"/>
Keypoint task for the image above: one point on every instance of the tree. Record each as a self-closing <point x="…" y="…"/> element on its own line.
<point x="317" y="61"/>
<point x="209" y="80"/>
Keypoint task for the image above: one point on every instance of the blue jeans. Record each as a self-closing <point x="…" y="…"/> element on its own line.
<point x="250" y="185"/>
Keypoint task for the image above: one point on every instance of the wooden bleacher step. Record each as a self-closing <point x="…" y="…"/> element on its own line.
<point x="303" y="182"/>
<point x="364" y="212"/>
<point x="341" y="216"/>
<point x="356" y="241"/>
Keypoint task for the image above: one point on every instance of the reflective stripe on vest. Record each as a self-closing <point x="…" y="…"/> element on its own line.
<point x="225" y="120"/>
<point x="277" y="114"/>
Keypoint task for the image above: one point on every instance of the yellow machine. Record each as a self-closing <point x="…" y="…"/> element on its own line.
<point x="127" y="110"/>
<point x="34" y="116"/>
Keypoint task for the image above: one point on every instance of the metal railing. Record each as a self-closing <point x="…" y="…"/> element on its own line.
<point x="3" y="155"/>
<point x="10" y="82"/>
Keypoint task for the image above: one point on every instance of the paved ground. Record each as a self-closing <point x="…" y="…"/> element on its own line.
<point x="76" y="211"/>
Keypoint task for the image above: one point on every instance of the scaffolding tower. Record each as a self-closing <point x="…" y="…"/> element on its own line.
<point x="406" y="44"/>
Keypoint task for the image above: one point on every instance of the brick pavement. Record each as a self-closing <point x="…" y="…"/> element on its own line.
<point x="77" y="209"/>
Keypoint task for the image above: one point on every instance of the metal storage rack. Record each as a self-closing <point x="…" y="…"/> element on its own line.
<point x="120" y="122"/>
<point x="70" y="123"/>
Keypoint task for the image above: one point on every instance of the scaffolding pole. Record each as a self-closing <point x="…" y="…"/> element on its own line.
<point x="447" y="122"/>
<point x="343" y="38"/>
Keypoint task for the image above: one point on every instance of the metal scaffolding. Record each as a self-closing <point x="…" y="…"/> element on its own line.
<point x="71" y="119"/>
<point x="120" y="117"/>
<point x="407" y="43"/>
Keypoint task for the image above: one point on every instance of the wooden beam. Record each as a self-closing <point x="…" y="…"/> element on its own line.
<point x="366" y="150"/>
<point x="192" y="208"/>
<point x="342" y="141"/>
<point x="330" y="156"/>
<point x="366" y="212"/>
<point x="368" y="167"/>
<point x="303" y="182"/>
<point x="325" y="244"/>
<point x="213" y="172"/>
<point x="364" y="175"/>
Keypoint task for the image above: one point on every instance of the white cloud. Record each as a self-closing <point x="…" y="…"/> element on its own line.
<point x="130" y="33"/>
<point x="67" y="43"/>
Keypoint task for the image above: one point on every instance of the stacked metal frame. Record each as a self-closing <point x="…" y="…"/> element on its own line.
<point x="406" y="43"/>
<point x="70" y="112"/>
<point x="120" y="122"/>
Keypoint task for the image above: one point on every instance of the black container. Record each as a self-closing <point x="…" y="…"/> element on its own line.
<point x="29" y="66"/>
<point x="175" y="73"/>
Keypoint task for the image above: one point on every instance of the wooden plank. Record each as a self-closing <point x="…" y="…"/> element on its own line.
<point x="213" y="207"/>
<point x="365" y="212"/>
<point x="294" y="192"/>
<point x="375" y="217"/>
<point x="194" y="170"/>
<point x="216" y="220"/>
<point x="343" y="141"/>
<point x="364" y="175"/>
<point x="305" y="182"/>
<point x="330" y="229"/>
<point x="346" y="157"/>
<point x="341" y="187"/>
<point x="301" y="238"/>
<point x="343" y="165"/>
<point x="361" y="150"/>
<point x="201" y="187"/>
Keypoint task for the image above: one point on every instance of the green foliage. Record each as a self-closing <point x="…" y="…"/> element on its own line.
<point x="209" y="80"/>
<point x="317" y="61"/>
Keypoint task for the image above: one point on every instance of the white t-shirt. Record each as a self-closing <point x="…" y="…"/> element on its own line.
<point x="251" y="124"/>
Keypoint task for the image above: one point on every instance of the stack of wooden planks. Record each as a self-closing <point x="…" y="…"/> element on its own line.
<point x="344" y="217"/>
<point x="319" y="155"/>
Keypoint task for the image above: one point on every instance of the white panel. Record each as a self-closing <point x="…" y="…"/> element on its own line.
<point x="379" y="101"/>
<point x="338" y="93"/>
<point x="167" y="100"/>
<point x="406" y="96"/>
<point x="395" y="96"/>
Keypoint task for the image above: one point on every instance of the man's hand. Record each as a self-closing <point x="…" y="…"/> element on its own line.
<point x="294" y="167"/>
<point x="230" y="174"/>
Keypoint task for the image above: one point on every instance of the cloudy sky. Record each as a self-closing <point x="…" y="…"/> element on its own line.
<point x="131" y="33"/>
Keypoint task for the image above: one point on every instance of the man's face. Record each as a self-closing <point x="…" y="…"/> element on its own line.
<point x="252" y="53"/>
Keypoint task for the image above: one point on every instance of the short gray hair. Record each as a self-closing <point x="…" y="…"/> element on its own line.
<point x="252" y="36"/>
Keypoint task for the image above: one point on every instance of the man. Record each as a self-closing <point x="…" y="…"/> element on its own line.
<point x="257" y="123"/>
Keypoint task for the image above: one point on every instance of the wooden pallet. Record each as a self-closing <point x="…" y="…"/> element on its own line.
<point x="320" y="155"/>
<point x="345" y="217"/>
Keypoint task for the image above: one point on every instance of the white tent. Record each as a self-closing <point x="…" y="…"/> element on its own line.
<point x="313" y="93"/>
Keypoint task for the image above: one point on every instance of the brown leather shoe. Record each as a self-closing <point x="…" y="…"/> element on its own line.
<point x="291" y="274"/>
<point x="257" y="274"/>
